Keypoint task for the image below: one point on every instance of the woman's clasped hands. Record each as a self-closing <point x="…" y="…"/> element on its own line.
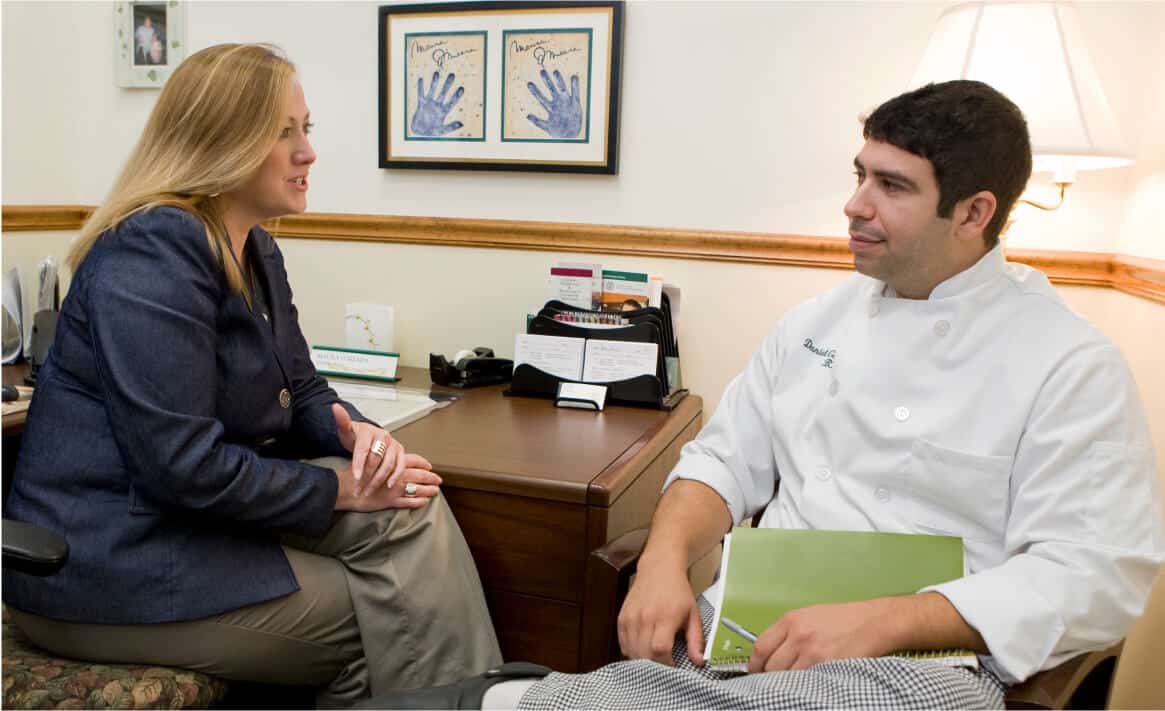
<point x="382" y="474"/>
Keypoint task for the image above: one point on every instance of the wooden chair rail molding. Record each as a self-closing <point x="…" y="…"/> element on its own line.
<point x="1134" y="275"/>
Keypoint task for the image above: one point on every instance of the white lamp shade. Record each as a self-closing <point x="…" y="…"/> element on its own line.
<point x="1033" y="52"/>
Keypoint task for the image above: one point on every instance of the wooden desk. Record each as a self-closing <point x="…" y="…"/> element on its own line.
<point x="535" y="489"/>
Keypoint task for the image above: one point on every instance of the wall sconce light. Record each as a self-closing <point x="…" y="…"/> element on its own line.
<point x="1033" y="51"/>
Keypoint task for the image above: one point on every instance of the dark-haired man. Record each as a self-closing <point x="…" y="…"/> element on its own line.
<point x="939" y="390"/>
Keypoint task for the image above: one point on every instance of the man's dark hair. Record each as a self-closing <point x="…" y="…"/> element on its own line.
<point x="974" y="137"/>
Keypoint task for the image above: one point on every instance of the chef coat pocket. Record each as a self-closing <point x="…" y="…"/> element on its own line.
<point x="958" y="494"/>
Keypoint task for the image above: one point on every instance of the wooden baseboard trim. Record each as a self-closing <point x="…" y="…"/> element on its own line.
<point x="1134" y="275"/>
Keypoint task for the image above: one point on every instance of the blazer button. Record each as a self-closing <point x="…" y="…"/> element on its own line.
<point x="285" y="398"/>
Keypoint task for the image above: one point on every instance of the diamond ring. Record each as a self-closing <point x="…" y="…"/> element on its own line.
<point x="410" y="489"/>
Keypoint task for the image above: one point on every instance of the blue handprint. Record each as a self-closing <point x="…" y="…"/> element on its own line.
<point x="564" y="111"/>
<point x="429" y="119"/>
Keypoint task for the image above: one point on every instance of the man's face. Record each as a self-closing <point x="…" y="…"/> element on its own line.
<point x="895" y="233"/>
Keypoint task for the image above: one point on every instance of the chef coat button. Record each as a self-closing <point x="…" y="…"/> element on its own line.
<point x="823" y="473"/>
<point x="942" y="328"/>
<point x="873" y="309"/>
<point x="901" y="413"/>
<point x="285" y="398"/>
<point x="882" y="494"/>
<point x="833" y="388"/>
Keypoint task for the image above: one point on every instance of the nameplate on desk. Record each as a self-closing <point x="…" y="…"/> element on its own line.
<point x="581" y="395"/>
<point x="355" y="363"/>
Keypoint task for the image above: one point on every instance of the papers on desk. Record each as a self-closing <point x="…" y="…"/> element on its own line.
<point x="560" y="356"/>
<point x="588" y="360"/>
<point x="389" y="407"/>
<point x="608" y="361"/>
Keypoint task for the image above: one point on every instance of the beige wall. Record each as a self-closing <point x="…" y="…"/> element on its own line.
<point x="734" y="116"/>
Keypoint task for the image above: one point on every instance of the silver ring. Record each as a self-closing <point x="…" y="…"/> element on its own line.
<point x="410" y="489"/>
<point x="378" y="448"/>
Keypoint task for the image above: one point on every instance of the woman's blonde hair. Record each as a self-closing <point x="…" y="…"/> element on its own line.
<point x="216" y="120"/>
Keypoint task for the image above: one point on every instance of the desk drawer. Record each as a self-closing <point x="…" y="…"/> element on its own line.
<point x="534" y="629"/>
<point x="524" y="545"/>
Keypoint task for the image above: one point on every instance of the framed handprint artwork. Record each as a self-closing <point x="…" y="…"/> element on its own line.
<point x="530" y="86"/>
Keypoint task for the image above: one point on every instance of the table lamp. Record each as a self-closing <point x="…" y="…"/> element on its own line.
<point x="1033" y="51"/>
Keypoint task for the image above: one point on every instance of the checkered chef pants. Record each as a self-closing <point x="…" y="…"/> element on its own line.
<point x="881" y="683"/>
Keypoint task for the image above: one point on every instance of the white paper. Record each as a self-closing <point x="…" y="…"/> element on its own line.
<point x="715" y="595"/>
<point x="673" y="297"/>
<point x="655" y="294"/>
<point x="572" y="290"/>
<point x="596" y="280"/>
<point x="389" y="407"/>
<point x="368" y="326"/>
<point x="608" y="361"/>
<point x="560" y="356"/>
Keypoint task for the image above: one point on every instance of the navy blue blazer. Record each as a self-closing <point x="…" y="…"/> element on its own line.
<point x="140" y="443"/>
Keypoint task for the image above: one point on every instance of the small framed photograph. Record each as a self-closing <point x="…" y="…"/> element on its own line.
<point x="149" y="41"/>
<point x="501" y="85"/>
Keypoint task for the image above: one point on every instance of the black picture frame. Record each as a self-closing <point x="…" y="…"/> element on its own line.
<point x="501" y="85"/>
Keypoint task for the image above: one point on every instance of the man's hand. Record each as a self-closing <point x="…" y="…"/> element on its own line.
<point x="659" y="605"/>
<point x="873" y="628"/>
<point x="811" y="635"/>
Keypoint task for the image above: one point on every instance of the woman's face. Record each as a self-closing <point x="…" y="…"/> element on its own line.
<point x="279" y="187"/>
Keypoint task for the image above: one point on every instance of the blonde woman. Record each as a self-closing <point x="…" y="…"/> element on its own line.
<point x="166" y="437"/>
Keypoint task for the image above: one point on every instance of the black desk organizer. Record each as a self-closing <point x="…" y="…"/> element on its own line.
<point x="653" y="326"/>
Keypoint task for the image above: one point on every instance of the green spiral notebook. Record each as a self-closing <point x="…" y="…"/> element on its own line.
<point x="767" y="572"/>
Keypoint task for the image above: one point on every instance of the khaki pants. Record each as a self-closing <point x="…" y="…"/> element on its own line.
<point x="387" y="600"/>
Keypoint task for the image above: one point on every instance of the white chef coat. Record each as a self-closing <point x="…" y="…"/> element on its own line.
<point x="989" y="411"/>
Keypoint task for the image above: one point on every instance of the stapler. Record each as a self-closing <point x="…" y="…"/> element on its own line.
<point x="470" y="368"/>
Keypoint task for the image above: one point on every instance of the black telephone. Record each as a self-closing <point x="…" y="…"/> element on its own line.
<point x="470" y="371"/>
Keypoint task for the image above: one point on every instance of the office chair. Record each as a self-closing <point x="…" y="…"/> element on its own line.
<point x="1080" y="682"/>
<point x="34" y="678"/>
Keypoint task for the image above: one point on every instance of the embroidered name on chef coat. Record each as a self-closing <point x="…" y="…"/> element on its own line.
<point x="827" y="353"/>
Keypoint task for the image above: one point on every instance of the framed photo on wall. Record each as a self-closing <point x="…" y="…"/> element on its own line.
<point x="503" y="85"/>
<point x="149" y="41"/>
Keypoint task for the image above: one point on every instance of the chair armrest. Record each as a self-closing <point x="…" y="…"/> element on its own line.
<point x="608" y="577"/>
<point x="32" y="549"/>
<point x="1080" y="682"/>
